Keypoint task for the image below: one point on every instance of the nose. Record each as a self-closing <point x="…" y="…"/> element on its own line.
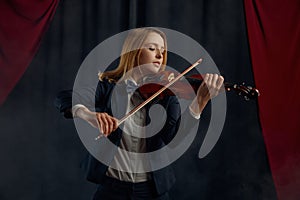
<point x="158" y="54"/>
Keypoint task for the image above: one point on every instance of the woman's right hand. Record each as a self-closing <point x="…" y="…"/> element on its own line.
<point x="102" y="121"/>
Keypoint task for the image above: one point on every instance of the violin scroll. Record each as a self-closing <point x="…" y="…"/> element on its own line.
<point x="247" y="92"/>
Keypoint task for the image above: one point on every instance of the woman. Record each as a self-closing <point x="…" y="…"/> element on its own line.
<point x="144" y="52"/>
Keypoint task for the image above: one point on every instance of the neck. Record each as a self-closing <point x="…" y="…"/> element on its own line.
<point x="137" y="75"/>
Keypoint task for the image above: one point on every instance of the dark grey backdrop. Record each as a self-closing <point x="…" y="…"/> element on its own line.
<point x="41" y="151"/>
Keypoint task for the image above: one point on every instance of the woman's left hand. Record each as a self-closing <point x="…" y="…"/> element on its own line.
<point x="209" y="88"/>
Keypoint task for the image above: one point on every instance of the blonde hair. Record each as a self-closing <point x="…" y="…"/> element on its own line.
<point x="131" y="53"/>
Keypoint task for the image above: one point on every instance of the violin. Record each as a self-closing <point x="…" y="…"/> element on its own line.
<point x="186" y="89"/>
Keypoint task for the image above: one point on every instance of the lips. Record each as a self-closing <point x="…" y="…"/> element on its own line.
<point x="157" y="64"/>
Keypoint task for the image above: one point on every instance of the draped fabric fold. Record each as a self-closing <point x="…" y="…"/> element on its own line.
<point x="274" y="38"/>
<point x="22" y="25"/>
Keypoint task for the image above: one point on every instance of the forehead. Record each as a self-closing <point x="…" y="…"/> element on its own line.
<point x="154" y="38"/>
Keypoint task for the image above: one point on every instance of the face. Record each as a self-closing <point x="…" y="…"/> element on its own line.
<point x="151" y="56"/>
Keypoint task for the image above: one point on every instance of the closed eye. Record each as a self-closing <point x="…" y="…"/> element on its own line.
<point x="152" y="47"/>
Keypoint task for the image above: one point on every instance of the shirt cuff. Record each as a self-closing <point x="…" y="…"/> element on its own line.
<point x="76" y="108"/>
<point x="196" y="116"/>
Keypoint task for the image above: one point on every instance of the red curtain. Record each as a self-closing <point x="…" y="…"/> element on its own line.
<point x="22" y="25"/>
<point x="274" y="37"/>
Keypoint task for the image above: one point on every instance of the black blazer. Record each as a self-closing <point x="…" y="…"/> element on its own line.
<point x="105" y="94"/>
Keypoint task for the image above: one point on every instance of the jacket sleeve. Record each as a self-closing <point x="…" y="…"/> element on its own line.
<point x="87" y="96"/>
